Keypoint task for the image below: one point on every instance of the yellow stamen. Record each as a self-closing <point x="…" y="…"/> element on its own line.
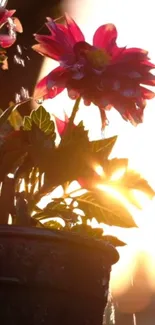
<point x="98" y="58"/>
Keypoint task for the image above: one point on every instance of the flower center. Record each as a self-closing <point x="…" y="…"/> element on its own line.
<point x="98" y="58"/>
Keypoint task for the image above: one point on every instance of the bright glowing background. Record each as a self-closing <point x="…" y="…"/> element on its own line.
<point x="136" y="24"/>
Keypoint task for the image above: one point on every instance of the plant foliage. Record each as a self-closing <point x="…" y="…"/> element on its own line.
<point x="39" y="166"/>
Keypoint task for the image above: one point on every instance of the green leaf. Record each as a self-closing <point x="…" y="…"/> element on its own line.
<point x="15" y="120"/>
<point x="5" y="115"/>
<point x="41" y="134"/>
<point x="41" y="119"/>
<point x="104" y="146"/>
<point x="113" y="240"/>
<point x="27" y="123"/>
<point x="105" y="208"/>
<point x="52" y="224"/>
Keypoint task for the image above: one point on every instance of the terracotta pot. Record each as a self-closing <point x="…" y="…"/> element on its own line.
<point x="52" y="277"/>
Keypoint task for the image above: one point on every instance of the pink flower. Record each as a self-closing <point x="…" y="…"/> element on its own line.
<point x="61" y="124"/>
<point x="13" y="25"/>
<point x="102" y="73"/>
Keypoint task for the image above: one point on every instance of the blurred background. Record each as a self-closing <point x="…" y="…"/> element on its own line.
<point x="133" y="278"/>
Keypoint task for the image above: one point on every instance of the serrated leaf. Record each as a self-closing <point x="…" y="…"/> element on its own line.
<point x="127" y="193"/>
<point x="62" y="210"/>
<point x="27" y="123"/>
<point x="133" y="180"/>
<point x="43" y="120"/>
<point x="105" y="208"/>
<point x="112" y="166"/>
<point x="40" y="138"/>
<point x="104" y="146"/>
<point x="57" y="209"/>
<point x="77" y="136"/>
<point x="113" y="240"/>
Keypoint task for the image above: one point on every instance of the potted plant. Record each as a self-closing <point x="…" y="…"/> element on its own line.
<point x="54" y="267"/>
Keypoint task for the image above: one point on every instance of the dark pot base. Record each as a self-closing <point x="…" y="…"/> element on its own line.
<point x="21" y="306"/>
<point x="52" y="278"/>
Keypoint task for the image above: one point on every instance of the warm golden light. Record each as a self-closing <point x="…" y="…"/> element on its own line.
<point x="99" y="170"/>
<point x="133" y="143"/>
<point x="118" y="174"/>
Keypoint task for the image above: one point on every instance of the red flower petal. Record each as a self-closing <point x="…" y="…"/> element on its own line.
<point x="61" y="125"/>
<point x="87" y="102"/>
<point x="148" y="64"/>
<point x="5" y="14"/>
<point x="105" y="37"/>
<point x="148" y="79"/>
<point x="133" y="54"/>
<point x="75" y="31"/>
<point x="135" y="116"/>
<point x="67" y="34"/>
<point x="59" y="34"/>
<point x="51" y="85"/>
<point x="146" y="93"/>
<point x="48" y="47"/>
<point x="73" y="93"/>
<point x="6" y="41"/>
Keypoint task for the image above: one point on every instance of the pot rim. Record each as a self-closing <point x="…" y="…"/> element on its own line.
<point x="60" y="235"/>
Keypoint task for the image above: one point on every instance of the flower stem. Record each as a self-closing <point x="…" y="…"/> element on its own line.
<point x="71" y="120"/>
<point x="74" y="111"/>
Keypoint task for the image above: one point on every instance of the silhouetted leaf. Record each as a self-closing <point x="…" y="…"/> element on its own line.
<point x="105" y="208"/>
<point x="77" y="137"/>
<point x="112" y="166"/>
<point x="41" y="134"/>
<point x="11" y="151"/>
<point x="86" y="230"/>
<point x="104" y="147"/>
<point x="52" y="224"/>
<point x="126" y="193"/>
<point x="7" y="200"/>
<point x="24" y="168"/>
<point x="113" y="240"/>
<point x="57" y="209"/>
<point x="133" y="180"/>
<point x="41" y="147"/>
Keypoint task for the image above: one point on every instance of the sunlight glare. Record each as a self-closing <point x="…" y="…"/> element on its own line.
<point x="133" y="143"/>
<point x="118" y="174"/>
